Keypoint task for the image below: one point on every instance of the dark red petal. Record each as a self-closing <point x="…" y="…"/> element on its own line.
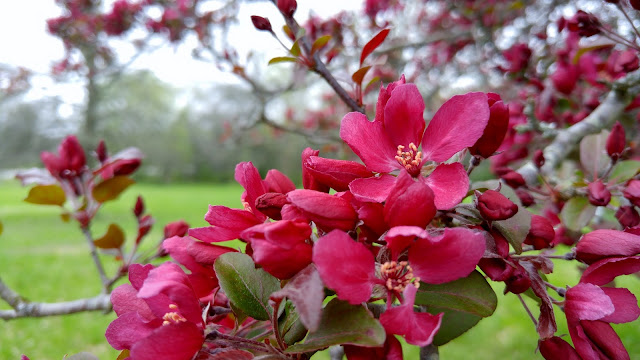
<point x="345" y="266"/>
<point x="557" y="349"/>
<point x="373" y="189"/>
<point x="383" y="97"/>
<point x="327" y="211"/>
<point x="600" y="339"/>
<point x="417" y="328"/>
<point x="337" y="174"/>
<point x="248" y="176"/>
<point x="278" y="182"/>
<point x="127" y="329"/>
<point x="410" y="202"/>
<point x="602" y="243"/>
<point x="604" y="271"/>
<point x="625" y="304"/>
<point x="170" y="342"/>
<point x="450" y="256"/>
<point x="370" y="142"/>
<point x="450" y="185"/>
<point x="587" y="302"/>
<point x="495" y="131"/>
<point x="308" y="180"/>
<point x="403" y="116"/>
<point x="458" y="124"/>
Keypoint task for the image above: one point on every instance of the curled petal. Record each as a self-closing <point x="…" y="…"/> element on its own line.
<point x="327" y="211"/>
<point x="417" y="328"/>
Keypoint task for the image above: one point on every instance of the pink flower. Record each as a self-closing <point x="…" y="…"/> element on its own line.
<point x="159" y="315"/>
<point x="70" y="161"/>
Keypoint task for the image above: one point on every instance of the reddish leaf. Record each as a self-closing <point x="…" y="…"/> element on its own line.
<point x="320" y="43"/>
<point x="280" y="59"/>
<point x="111" y="188"/>
<point x="359" y="74"/>
<point x="306" y="291"/>
<point x="288" y="31"/>
<point x="113" y="239"/>
<point x="46" y="195"/>
<point x="373" y="44"/>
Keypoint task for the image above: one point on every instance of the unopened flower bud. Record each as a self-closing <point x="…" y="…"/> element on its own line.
<point x="494" y="206"/>
<point x="541" y="233"/>
<point x="538" y="158"/>
<point x="138" y="209"/>
<point x="287" y="7"/>
<point x="525" y="197"/>
<point x="616" y="141"/>
<point x="101" y="152"/>
<point x="271" y="204"/>
<point x="513" y="179"/>
<point x="495" y="130"/>
<point x="632" y="192"/>
<point x="635" y="4"/>
<point x="599" y="195"/>
<point x="519" y="281"/>
<point x="261" y="23"/>
<point x="557" y="349"/>
<point x="628" y="216"/>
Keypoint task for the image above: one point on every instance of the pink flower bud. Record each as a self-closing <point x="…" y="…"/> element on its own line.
<point x="271" y="204"/>
<point x="584" y="24"/>
<point x="541" y="233"/>
<point x="261" y="23"/>
<point x="599" y="195"/>
<point x="494" y="206"/>
<point x="565" y="77"/>
<point x="632" y="192"/>
<point x="101" y="152"/>
<point x="138" y="209"/>
<point x="602" y="243"/>
<point x="287" y="7"/>
<point x="557" y="349"/>
<point x="538" y="158"/>
<point x="513" y="179"/>
<point x="525" y="197"/>
<point x="616" y="141"/>
<point x="176" y="228"/>
<point x="519" y="281"/>
<point x="495" y="130"/>
<point x="628" y="216"/>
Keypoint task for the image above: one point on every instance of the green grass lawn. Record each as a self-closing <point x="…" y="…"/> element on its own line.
<point x="45" y="259"/>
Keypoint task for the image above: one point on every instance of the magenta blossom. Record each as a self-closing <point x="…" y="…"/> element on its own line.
<point x="397" y="139"/>
<point x="159" y="315"/>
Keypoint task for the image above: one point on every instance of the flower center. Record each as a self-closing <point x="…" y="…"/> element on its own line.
<point x="172" y="317"/>
<point x="410" y="159"/>
<point x="398" y="275"/>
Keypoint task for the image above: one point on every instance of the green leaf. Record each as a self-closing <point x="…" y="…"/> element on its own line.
<point x="358" y="76"/>
<point x="123" y="355"/>
<point x="593" y="155"/>
<point x="295" y="49"/>
<point x="246" y="287"/>
<point x="343" y="323"/>
<point x="320" y="43"/>
<point x="281" y="59"/>
<point x="112" y="239"/>
<point x="464" y="303"/>
<point x="624" y="170"/>
<point x="577" y="213"/>
<point x="46" y="195"/>
<point x="110" y="189"/>
<point x="290" y="326"/>
<point x="372" y="82"/>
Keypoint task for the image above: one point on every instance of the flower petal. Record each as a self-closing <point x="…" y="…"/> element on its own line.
<point x="604" y="271"/>
<point x="337" y="174"/>
<point x="403" y="116"/>
<point x="417" y="328"/>
<point x="349" y="271"/>
<point x="450" y="256"/>
<point x="171" y="342"/>
<point x="327" y="211"/>
<point x="372" y="189"/>
<point x="458" y="124"/>
<point x="450" y="185"/>
<point x="625" y="304"/>
<point x="401" y="237"/>
<point x="587" y="302"/>
<point x="127" y="329"/>
<point x="410" y="202"/>
<point x="602" y="243"/>
<point x="370" y="142"/>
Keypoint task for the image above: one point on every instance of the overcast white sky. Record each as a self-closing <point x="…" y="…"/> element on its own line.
<point x="24" y="40"/>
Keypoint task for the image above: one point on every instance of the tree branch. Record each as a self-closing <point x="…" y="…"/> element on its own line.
<point x="22" y="308"/>
<point x="620" y="96"/>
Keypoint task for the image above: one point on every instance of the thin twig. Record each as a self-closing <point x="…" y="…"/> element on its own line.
<point x="535" y="322"/>
<point x="96" y="259"/>
<point x="22" y="309"/>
